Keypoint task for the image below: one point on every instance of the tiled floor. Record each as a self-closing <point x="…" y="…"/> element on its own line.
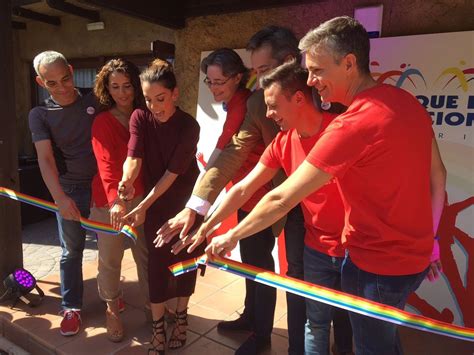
<point x="218" y="296"/>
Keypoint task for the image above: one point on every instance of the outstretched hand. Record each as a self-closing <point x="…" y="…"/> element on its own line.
<point x="194" y="239"/>
<point x="221" y="245"/>
<point x="181" y="223"/>
<point x="135" y="217"/>
<point x="117" y="212"/>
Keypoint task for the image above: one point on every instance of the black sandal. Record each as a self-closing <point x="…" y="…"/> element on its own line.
<point x="177" y="336"/>
<point x="158" y="329"/>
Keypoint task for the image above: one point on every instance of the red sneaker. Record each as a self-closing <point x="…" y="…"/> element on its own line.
<point x="121" y="304"/>
<point x="71" y="322"/>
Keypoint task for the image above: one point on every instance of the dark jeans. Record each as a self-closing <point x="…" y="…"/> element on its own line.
<point x="373" y="336"/>
<point x="324" y="270"/>
<point x="296" y="305"/>
<point x="260" y="299"/>
<point x="72" y="238"/>
<point x="341" y="325"/>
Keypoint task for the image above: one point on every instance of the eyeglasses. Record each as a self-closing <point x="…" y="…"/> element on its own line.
<point x="210" y="83"/>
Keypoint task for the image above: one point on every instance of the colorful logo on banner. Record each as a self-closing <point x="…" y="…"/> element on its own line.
<point x="443" y="82"/>
<point x="444" y="109"/>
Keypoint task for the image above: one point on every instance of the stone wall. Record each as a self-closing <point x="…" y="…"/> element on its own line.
<point x="400" y="17"/>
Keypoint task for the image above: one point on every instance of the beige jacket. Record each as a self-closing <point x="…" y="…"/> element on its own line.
<point x="255" y="129"/>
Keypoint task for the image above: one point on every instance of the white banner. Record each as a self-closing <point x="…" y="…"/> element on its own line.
<point x="439" y="70"/>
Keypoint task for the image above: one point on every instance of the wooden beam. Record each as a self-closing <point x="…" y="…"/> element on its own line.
<point x="24" y="2"/>
<point x="36" y="16"/>
<point x="10" y="226"/>
<point x="164" y="13"/>
<point x="195" y="8"/>
<point x="16" y="25"/>
<point x="63" y="6"/>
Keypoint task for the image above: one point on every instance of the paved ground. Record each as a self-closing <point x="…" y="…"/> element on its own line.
<point x="218" y="296"/>
<point x="41" y="250"/>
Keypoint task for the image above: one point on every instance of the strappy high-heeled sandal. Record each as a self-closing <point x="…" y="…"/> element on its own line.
<point x="178" y="336"/>
<point x="158" y="329"/>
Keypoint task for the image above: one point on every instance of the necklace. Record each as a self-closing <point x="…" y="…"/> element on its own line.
<point x="120" y="116"/>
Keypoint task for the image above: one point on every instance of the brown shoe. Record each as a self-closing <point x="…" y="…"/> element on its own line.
<point x="113" y="323"/>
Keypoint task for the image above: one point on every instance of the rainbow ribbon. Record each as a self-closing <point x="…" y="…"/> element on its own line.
<point x="328" y="296"/>
<point x="85" y="223"/>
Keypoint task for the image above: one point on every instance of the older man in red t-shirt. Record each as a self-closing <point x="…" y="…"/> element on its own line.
<point x="386" y="162"/>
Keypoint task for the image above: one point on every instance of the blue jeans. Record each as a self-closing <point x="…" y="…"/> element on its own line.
<point x="260" y="300"/>
<point x="323" y="270"/>
<point x="373" y="336"/>
<point x="72" y="238"/>
<point x="294" y="244"/>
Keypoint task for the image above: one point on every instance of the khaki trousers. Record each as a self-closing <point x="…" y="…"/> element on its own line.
<point x="111" y="249"/>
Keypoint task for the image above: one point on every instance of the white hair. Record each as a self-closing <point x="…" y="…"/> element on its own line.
<point x="47" y="57"/>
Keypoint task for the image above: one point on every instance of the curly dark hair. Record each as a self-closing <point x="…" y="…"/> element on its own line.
<point x="102" y="81"/>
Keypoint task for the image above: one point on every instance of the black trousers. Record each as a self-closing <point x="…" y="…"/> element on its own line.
<point x="296" y="305"/>
<point x="260" y="299"/>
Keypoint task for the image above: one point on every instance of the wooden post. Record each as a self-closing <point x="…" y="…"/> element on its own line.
<point x="11" y="254"/>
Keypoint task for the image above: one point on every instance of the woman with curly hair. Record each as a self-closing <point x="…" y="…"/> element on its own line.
<point x="118" y="91"/>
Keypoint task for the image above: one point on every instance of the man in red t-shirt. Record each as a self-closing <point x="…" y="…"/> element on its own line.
<point x="290" y="104"/>
<point x="386" y="162"/>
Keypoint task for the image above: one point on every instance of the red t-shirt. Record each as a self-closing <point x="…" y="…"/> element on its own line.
<point x="109" y="142"/>
<point x="380" y="152"/>
<point x="323" y="210"/>
<point x="236" y="110"/>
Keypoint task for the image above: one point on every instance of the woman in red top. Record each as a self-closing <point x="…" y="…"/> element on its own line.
<point x="226" y="77"/>
<point x="118" y="91"/>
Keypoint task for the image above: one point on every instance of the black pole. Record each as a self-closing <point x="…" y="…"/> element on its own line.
<point x="11" y="254"/>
